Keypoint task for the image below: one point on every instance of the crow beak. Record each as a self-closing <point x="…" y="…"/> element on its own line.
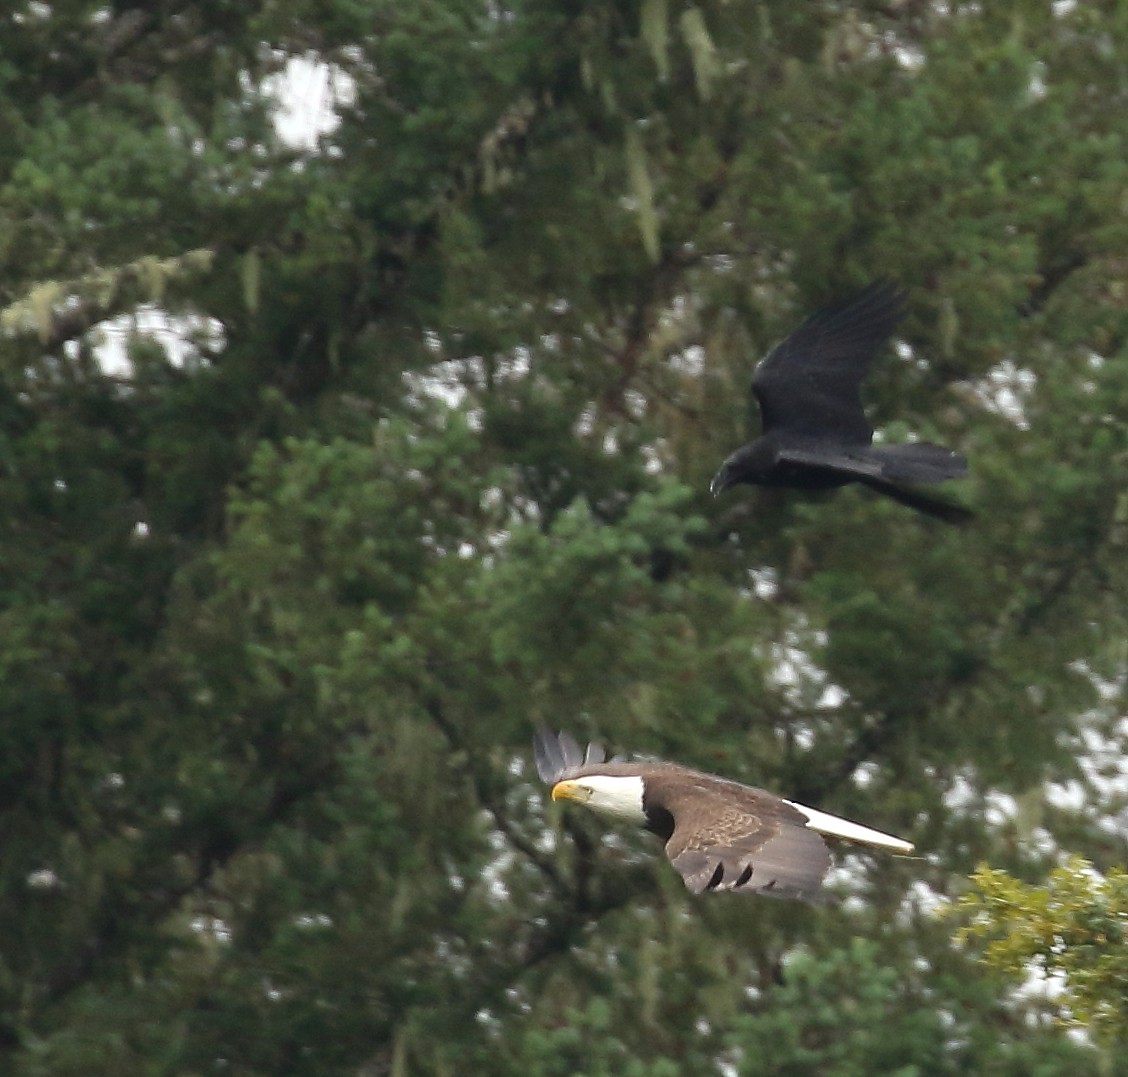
<point x="721" y="481"/>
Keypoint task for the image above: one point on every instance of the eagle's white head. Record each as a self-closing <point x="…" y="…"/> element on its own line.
<point x="611" y="794"/>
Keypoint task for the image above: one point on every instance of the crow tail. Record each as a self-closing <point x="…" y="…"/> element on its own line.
<point x="947" y="511"/>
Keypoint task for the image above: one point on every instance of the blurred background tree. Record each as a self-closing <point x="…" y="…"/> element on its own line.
<point x="400" y="445"/>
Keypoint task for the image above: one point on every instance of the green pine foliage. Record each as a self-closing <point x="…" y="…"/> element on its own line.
<point x="423" y="462"/>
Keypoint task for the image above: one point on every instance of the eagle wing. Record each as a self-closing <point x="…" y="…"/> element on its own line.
<point x="728" y="836"/>
<point x="558" y="756"/>
<point x="809" y="383"/>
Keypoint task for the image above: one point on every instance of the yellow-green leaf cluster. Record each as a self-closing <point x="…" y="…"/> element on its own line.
<point x="1074" y="926"/>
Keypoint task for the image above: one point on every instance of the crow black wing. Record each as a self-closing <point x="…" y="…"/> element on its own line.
<point x="809" y="383"/>
<point x="885" y="467"/>
<point x="917" y="461"/>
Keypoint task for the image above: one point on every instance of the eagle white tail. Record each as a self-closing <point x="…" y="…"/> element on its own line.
<point x="843" y="828"/>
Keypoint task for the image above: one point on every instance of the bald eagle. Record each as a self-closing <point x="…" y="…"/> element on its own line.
<point x="719" y="834"/>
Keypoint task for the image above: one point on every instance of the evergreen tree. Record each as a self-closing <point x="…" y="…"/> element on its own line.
<point x="425" y="463"/>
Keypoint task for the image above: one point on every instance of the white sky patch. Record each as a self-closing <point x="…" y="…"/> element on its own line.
<point x="804" y="685"/>
<point x="1108" y="687"/>
<point x="451" y="380"/>
<point x="802" y="735"/>
<point x="585" y="422"/>
<point x="1114" y="826"/>
<point x="212" y="927"/>
<point x="653" y="460"/>
<point x="1099" y="794"/>
<point x="496" y="541"/>
<point x="1042" y="841"/>
<point x="833" y="697"/>
<point x="1099" y="744"/>
<point x="765" y="583"/>
<point x="499" y="864"/>
<point x="308" y="93"/>
<point x="515" y="365"/>
<point x="920" y="900"/>
<point x="910" y="57"/>
<point x="1101" y="750"/>
<point x="864" y="774"/>
<point x="493" y="497"/>
<point x="44" y="879"/>
<point x="848" y="873"/>
<point x="1067" y="795"/>
<point x="961" y="794"/>
<point x="1005" y="390"/>
<point x="635" y="403"/>
<point x="1106" y="757"/>
<point x="1000" y="808"/>
<point x="449" y="383"/>
<point x="792" y="668"/>
<point x="1041" y="986"/>
<point x="1036" y="87"/>
<point x="721" y="263"/>
<point x="690" y="362"/>
<point x="182" y="336"/>
<point x="34" y="10"/>
<point x="904" y="351"/>
<point x="966" y="797"/>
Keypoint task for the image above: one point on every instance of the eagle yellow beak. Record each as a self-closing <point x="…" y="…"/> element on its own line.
<point x="569" y="790"/>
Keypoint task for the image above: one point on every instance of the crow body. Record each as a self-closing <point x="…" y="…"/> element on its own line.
<point x="815" y="435"/>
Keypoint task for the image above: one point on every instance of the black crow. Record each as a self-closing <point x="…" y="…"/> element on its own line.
<point x="815" y="435"/>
